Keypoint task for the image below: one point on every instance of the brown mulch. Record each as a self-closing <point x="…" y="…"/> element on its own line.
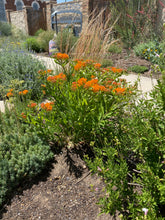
<point x="66" y="190"/>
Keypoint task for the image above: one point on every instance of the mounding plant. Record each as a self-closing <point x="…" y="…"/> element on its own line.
<point x="43" y="39"/>
<point x="19" y="71"/>
<point x="138" y="69"/>
<point x="32" y="44"/>
<point x="115" y="49"/>
<point x="5" y="29"/>
<point x="23" y="154"/>
<point x="106" y="63"/>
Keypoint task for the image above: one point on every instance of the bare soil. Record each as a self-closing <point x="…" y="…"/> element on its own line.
<point x="66" y="190"/>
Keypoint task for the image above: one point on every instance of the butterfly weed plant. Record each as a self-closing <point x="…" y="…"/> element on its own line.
<point x="86" y="103"/>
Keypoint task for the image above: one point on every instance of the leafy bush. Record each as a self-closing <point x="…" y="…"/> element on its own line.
<point x="152" y="51"/>
<point x="38" y="32"/>
<point x="65" y="41"/>
<point x="135" y="22"/>
<point x="138" y="69"/>
<point x="5" y="29"/>
<point x="131" y="161"/>
<point x="32" y="44"/>
<point x="22" y="153"/>
<point x="43" y="39"/>
<point x="140" y="48"/>
<point x="106" y="63"/>
<point x="19" y="71"/>
<point x="79" y="100"/>
<point x="115" y="48"/>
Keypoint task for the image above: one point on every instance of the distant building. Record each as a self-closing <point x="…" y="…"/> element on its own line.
<point x="16" y="5"/>
<point x="2" y="10"/>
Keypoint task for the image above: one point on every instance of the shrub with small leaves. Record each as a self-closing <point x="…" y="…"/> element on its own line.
<point x="5" y="29"/>
<point x="19" y="65"/>
<point x="32" y="44"/>
<point x="138" y="69"/>
<point x="22" y="153"/>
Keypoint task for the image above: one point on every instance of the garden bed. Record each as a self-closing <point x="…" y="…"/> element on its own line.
<point x="66" y="190"/>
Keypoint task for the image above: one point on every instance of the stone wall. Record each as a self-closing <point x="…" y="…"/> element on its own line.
<point x="53" y="6"/>
<point x="27" y="20"/>
<point x="17" y="18"/>
<point x="2" y="11"/>
<point x="10" y="4"/>
<point x="35" y="20"/>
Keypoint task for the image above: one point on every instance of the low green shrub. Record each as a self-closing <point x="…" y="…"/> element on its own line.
<point x="106" y="63"/>
<point x="22" y="153"/>
<point x="5" y="29"/>
<point x="150" y="51"/>
<point x="65" y="40"/>
<point x="19" y="71"/>
<point x="43" y="39"/>
<point x="32" y="44"/>
<point x="131" y="159"/>
<point x="138" y="69"/>
<point x="115" y="48"/>
<point x="38" y="32"/>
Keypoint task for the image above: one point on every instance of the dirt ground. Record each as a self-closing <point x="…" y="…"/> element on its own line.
<point x="66" y="190"/>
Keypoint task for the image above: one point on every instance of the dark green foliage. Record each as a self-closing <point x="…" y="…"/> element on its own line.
<point x="38" y="32"/>
<point x="22" y="153"/>
<point x="65" y="41"/>
<point x="138" y="69"/>
<point x="135" y="20"/>
<point x="115" y="48"/>
<point x="43" y="39"/>
<point x="17" y="65"/>
<point x="106" y="63"/>
<point x="32" y="44"/>
<point x="129" y="156"/>
<point x="5" y="29"/>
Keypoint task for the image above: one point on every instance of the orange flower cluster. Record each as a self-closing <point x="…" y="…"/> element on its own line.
<point x="116" y="70"/>
<point x="23" y="115"/>
<point x="82" y="81"/>
<point x="55" y="78"/>
<point x="61" y="56"/>
<point x="93" y="84"/>
<point x="47" y="106"/>
<point x="80" y="64"/>
<point x="32" y="105"/>
<point x="111" y="84"/>
<point x="24" y="92"/>
<point x="45" y="72"/>
<point x="119" y="90"/>
<point x="10" y="93"/>
<point x="97" y="65"/>
<point x="90" y="83"/>
<point x="97" y="88"/>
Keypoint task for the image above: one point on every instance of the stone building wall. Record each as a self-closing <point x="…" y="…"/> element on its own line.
<point x="18" y="19"/>
<point x="35" y="20"/>
<point x="27" y="20"/>
<point x="10" y="4"/>
<point x="84" y="6"/>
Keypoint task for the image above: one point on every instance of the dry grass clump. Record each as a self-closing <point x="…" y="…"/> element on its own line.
<point x="95" y="38"/>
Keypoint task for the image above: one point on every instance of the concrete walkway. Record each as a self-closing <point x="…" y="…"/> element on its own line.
<point x="145" y="84"/>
